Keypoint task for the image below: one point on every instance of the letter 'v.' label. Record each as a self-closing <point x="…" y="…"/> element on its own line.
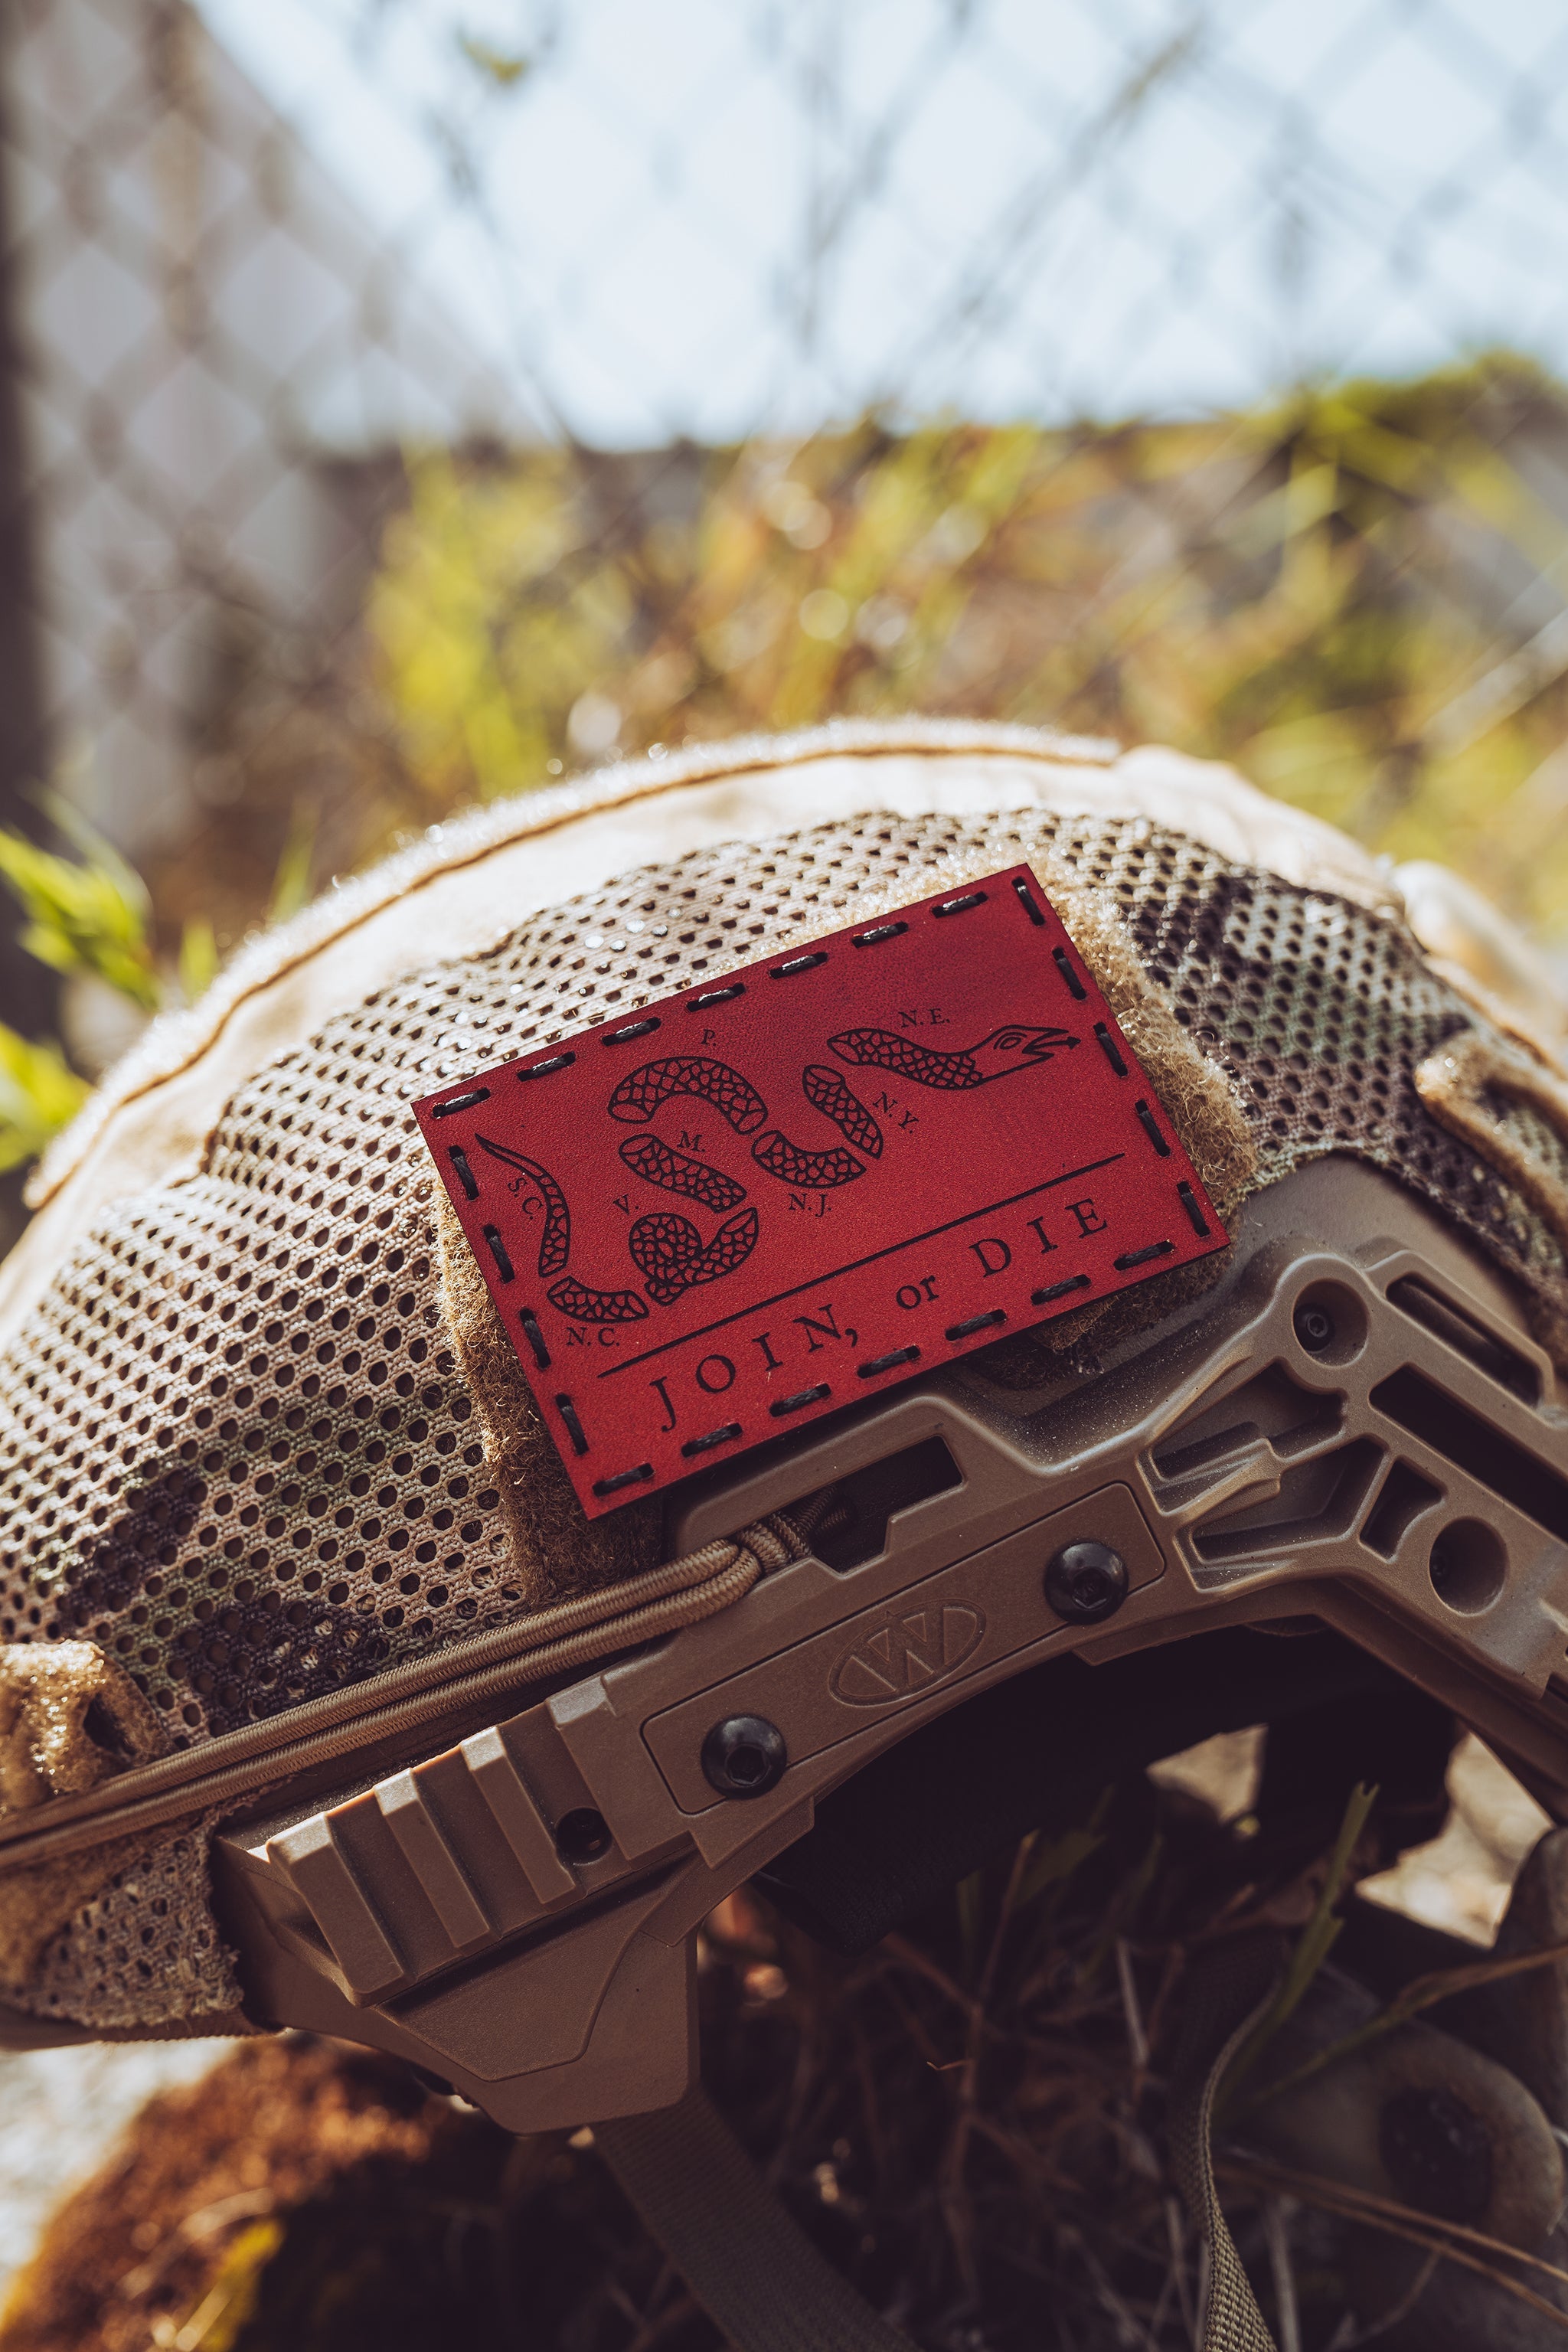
<point x="633" y="1193"/>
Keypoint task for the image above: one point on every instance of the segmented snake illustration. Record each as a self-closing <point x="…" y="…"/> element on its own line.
<point x="556" y="1241"/>
<point x="999" y="1055"/>
<point x="817" y="1171"/>
<point x="676" y="1172"/>
<point x="671" y="1252"/>
<point x="668" y="1249"/>
<point x="827" y="1092"/>
<point x="730" y="1095"/>
<point x="587" y="1305"/>
<point x="574" y="1298"/>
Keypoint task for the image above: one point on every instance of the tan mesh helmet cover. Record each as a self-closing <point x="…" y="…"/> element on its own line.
<point x="472" y="881"/>
<point x="156" y="1135"/>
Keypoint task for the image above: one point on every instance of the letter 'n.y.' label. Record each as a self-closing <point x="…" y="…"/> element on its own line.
<point x="634" y="1193"/>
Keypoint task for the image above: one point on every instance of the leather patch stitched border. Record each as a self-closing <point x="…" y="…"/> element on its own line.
<point x="720" y="1217"/>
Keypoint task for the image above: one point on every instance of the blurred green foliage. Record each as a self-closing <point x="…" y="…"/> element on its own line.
<point x="90" y="917"/>
<point x="1329" y="592"/>
<point x="1348" y="595"/>
<point x="87" y="913"/>
<point x="39" y="1093"/>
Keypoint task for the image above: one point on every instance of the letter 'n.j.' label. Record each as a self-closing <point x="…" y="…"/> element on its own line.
<point x="711" y="1220"/>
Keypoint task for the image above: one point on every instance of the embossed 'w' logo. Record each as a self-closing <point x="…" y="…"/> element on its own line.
<point x="907" y="1655"/>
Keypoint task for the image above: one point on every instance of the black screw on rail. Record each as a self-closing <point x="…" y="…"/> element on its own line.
<point x="583" y="1835"/>
<point x="1085" y="1582"/>
<point x="744" y="1756"/>
<point x="1314" y="1326"/>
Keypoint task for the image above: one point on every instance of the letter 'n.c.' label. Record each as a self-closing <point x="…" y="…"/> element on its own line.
<point x="930" y="1086"/>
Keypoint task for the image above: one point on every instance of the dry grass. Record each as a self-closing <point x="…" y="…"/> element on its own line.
<point x="968" y="2120"/>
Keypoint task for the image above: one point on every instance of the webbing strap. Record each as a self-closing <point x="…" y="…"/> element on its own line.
<point x="761" y="2281"/>
<point x="1224" y="2003"/>
<point x="754" y="2271"/>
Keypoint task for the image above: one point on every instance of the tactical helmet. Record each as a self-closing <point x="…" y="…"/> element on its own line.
<point x="352" y="1680"/>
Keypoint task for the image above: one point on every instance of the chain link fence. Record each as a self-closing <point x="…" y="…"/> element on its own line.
<point x="411" y="400"/>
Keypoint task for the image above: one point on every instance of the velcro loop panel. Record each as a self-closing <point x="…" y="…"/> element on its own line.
<point x="70" y="1719"/>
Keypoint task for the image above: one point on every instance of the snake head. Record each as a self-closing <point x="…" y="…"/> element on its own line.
<point x="1017" y="1047"/>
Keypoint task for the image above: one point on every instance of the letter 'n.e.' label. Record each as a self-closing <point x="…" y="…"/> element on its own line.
<point x="707" y="1220"/>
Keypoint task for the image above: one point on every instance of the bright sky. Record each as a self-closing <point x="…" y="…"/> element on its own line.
<point x="708" y="216"/>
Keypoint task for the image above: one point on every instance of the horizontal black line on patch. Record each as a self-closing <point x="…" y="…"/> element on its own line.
<point x="460" y="1102"/>
<point x="547" y="1069"/>
<point x="834" y="1274"/>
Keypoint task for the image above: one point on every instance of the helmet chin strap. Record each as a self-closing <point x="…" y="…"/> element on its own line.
<point x="761" y="2280"/>
<point x="751" y="2267"/>
<point x="873" y="1859"/>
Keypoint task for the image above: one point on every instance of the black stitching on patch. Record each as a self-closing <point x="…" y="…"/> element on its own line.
<point x="1059" y="1289"/>
<point x="801" y="1397"/>
<point x="466" y="1176"/>
<point x="975" y="1323"/>
<point x="715" y="1437"/>
<point x="1150" y="1127"/>
<point x="1110" y="1049"/>
<point x="1075" y="985"/>
<point x="575" y="1430"/>
<point x="624" y="1478"/>
<point x="1189" y="1200"/>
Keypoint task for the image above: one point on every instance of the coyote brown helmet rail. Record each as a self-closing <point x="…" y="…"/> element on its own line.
<point x="325" y="1703"/>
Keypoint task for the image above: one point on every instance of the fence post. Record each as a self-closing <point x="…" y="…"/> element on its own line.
<point x="30" y="992"/>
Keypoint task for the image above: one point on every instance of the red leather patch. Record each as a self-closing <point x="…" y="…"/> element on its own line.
<point x="710" y="1221"/>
